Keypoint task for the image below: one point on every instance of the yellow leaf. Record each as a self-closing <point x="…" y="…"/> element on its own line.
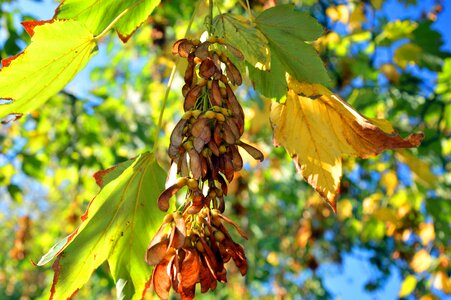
<point x="407" y="286"/>
<point x="421" y="170"/>
<point x="338" y="13"/>
<point x="317" y="128"/>
<point x="344" y="210"/>
<point x="441" y="281"/>
<point x="426" y="233"/>
<point x="390" y="181"/>
<point x="421" y="261"/>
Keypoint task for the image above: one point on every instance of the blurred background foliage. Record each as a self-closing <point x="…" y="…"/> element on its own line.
<point x="394" y="212"/>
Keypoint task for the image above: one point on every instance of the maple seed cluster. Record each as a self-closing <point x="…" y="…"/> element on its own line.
<point x="192" y="245"/>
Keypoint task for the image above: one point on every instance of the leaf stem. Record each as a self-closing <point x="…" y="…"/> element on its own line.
<point x="112" y="24"/>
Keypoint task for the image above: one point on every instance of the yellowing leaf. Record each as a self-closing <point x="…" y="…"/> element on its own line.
<point x="116" y="227"/>
<point x="317" y="128"/>
<point x="407" y="286"/>
<point x="421" y="170"/>
<point x="421" y="261"/>
<point x="58" y="51"/>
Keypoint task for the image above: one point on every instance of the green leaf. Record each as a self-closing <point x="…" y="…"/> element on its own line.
<point x="287" y="32"/>
<point x="97" y="15"/>
<point x="272" y="83"/>
<point x="117" y="227"/>
<point x="242" y="34"/>
<point x="58" y="51"/>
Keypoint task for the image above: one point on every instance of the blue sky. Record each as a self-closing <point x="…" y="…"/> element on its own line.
<point x="346" y="283"/>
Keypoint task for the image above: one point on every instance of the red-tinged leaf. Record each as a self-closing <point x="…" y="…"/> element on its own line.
<point x="116" y="228"/>
<point x="52" y="59"/>
<point x="97" y="15"/>
<point x="30" y="25"/>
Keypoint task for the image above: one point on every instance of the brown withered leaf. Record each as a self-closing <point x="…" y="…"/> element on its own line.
<point x="317" y="128"/>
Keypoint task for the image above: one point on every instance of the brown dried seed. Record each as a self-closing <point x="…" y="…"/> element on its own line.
<point x="233" y="104"/>
<point x="215" y="96"/>
<point x="191" y="97"/>
<point x="233" y="73"/>
<point x="185" y="48"/>
<point x="202" y="50"/>
<point x="224" y="187"/>
<point x="207" y="69"/>
<point x="233" y="128"/>
<point x="217" y="136"/>
<point x="254" y="152"/>
<point x="195" y="164"/>
<point x="228" y="167"/>
<point x="161" y="280"/>
<point x="190" y="268"/>
<point x="177" y="134"/>
<point x="176" y="45"/>
<point x="214" y="148"/>
<point x="235" y="51"/>
<point x="189" y="72"/>
<point x="228" y="135"/>
<point x="237" y="161"/>
<point x="182" y="166"/>
<point x="163" y="199"/>
<point x="157" y="252"/>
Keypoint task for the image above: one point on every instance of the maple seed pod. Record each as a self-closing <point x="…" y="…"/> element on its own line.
<point x="233" y="73"/>
<point x="191" y="97"/>
<point x="163" y="199"/>
<point x="185" y="48"/>
<point x="207" y="69"/>
<point x="254" y="152"/>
